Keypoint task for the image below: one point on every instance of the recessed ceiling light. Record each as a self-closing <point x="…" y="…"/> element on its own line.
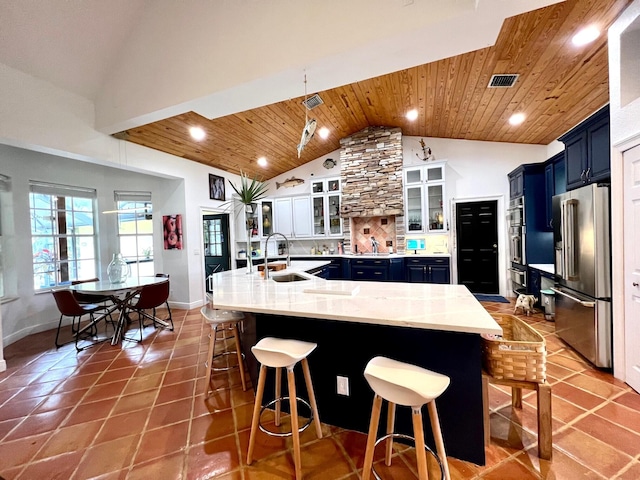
<point x="197" y="133"/>
<point x="262" y="162"/>
<point x="412" y="114"/>
<point x="517" y="118"/>
<point x="323" y="132"/>
<point x="586" y="35"/>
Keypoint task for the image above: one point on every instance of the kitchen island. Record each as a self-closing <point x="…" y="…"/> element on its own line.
<point x="431" y="325"/>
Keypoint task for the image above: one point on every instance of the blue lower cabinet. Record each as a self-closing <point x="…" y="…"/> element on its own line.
<point x="396" y="269"/>
<point x="334" y="270"/>
<point x="370" y="269"/>
<point x="427" y="270"/>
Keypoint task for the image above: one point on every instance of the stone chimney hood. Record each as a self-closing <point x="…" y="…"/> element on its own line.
<point x="371" y="173"/>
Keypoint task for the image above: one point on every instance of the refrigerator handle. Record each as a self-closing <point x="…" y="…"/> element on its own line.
<point x="575" y="299"/>
<point x="569" y="225"/>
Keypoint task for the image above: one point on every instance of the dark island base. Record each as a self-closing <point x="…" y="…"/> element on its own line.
<point x="345" y="348"/>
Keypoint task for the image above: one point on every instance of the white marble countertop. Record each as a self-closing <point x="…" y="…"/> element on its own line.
<point x="352" y="255"/>
<point x="544" y="267"/>
<point x="415" y="305"/>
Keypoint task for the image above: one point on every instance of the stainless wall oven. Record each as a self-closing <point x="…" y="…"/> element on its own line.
<point x="516" y="223"/>
<point x="516" y="231"/>
<point x="516" y="211"/>
<point x="518" y="278"/>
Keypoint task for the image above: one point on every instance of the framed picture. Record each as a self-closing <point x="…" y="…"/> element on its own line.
<point x="172" y="232"/>
<point x="216" y="187"/>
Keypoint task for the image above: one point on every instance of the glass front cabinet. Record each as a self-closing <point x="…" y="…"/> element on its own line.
<point x="259" y="221"/>
<point x="266" y="211"/>
<point x="325" y="199"/>
<point x="425" y="201"/>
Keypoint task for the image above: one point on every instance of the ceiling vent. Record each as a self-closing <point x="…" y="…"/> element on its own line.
<point x="312" y="102"/>
<point x="503" y="80"/>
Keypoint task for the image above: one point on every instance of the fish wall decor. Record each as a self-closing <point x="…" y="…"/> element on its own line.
<point x="307" y="134"/>
<point x="290" y="182"/>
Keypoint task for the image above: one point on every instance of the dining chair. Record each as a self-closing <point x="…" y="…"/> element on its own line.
<point x="164" y="275"/>
<point x="83" y="297"/>
<point x="151" y="297"/>
<point x="69" y="306"/>
<point x="91" y="298"/>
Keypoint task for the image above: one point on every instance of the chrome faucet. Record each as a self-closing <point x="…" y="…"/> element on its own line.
<point x="266" y="252"/>
<point x="374" y="245"/>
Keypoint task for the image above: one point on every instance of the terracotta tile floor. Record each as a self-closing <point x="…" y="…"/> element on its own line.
<point x="138" y="412"/>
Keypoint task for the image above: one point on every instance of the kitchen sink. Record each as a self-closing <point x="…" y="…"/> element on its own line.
<point x="288" y="277"/>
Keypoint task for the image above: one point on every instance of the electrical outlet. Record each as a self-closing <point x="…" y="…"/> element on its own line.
<point x="343" y="385"/>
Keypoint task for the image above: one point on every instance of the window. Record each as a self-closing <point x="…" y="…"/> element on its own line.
<point x="5" y="189"/>
<point x="135" y="231"/>
<point x="63" y="237"/>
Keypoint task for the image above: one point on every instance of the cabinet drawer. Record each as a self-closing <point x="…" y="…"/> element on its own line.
<point x="363" y="272"/>
<point x="427" y="261"/>
<point x="370" y="262"/>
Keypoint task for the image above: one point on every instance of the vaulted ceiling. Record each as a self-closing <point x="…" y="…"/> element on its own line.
<point x="132" y="56"/>
<point x="558" y="85"/>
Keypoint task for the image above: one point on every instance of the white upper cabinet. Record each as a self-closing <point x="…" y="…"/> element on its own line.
<point x="425" y="200"/>
<point x="325" y="198"/>
<point x="292" y="216"/>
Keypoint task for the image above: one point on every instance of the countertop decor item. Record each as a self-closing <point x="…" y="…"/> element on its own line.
<point x="250" y="191"/>
<point x="118" y="270"/>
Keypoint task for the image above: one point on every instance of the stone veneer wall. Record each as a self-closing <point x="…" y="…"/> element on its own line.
<point x="371" y="177"/>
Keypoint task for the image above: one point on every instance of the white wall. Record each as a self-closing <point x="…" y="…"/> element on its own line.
<point x="625" y="133"/>
<point x="475" y="171"/>
<point x="39" y="117"/>
<point x="29" y="312"/>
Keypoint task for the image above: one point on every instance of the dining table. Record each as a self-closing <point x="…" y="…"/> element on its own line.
<point x="121" y="295"/>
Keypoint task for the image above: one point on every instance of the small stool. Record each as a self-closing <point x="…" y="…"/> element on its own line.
<point x="543" y="391"/>
<point x="403" y="384"/>
<point x="278" y="353"/>
<point x="223" y="319"/>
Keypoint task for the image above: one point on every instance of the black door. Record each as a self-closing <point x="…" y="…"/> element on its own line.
<point x="217" y="257"/>
<point x="477" y="240"/>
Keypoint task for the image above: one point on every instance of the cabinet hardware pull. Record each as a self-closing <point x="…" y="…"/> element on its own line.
<point x="587" y="174"/>
<point x="635" y="284"/>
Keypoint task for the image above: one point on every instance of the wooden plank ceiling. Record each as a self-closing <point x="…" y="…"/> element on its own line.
<point x="558" y="86"/>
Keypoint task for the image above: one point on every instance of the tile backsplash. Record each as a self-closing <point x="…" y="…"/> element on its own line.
<point x="383" y="229"/>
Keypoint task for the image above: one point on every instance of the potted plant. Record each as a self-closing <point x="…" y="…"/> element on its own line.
<point x="249" y="192"/>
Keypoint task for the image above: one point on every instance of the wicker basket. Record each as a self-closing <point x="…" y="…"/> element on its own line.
<point x="520" y="354"/>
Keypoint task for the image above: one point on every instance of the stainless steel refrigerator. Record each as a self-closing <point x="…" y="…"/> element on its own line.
<point x="582" y="242"/>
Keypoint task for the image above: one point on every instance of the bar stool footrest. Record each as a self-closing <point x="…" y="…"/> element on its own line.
<point x="411" y="439"/>
<point x="223" y="354"/>
<point x="285" y="434"/>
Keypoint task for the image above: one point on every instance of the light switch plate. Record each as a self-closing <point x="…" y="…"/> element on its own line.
<point x="343" y="385"/>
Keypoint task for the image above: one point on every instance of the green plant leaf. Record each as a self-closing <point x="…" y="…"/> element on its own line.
<point x="250" y="190"/>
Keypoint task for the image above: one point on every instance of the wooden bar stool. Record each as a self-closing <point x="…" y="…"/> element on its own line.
<point x="222" y="321"/>
<point x="543" y="392"/>
<point x="403" y="384"/>
<point x="281" y="353"/>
